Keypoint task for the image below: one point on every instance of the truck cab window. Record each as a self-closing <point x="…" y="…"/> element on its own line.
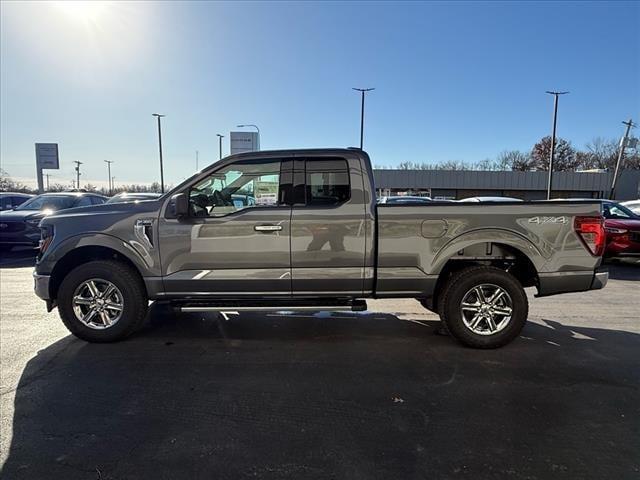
<point x="327" y="182"/>
<point x="236" y="187"/>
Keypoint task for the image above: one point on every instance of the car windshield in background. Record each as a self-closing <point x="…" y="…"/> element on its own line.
<point x="615" y="210"/>
<point x="48" y="202"/>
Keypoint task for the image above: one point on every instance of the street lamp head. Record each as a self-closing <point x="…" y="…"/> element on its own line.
<point x="248" y="125"/>
<point x="158" y="115"/>
<point x="556" y="93"/>
<point x="221" y="136"/>
<point x="362" y="89"/>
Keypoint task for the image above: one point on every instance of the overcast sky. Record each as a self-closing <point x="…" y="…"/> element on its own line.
<point x="454" y="81"/>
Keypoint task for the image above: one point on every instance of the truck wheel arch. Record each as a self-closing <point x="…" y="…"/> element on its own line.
<point x="510" y="252"/>
<point x="78" y="254"/>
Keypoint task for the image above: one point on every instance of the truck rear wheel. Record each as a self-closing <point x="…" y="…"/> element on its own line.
<point x="102" y="301"/>
<point x="484" y="307"/>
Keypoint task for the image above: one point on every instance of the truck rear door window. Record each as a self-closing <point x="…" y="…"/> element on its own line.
<point x="327" y="182"/>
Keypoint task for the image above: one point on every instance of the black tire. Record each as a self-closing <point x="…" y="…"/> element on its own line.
<point x="129" y="284"/>
<point x="461" y="284"/>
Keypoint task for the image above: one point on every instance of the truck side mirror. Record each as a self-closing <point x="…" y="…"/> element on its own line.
<point x="180" y="205"/>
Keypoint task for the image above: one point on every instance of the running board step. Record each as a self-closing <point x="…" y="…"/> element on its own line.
<point x="354" y="306"/>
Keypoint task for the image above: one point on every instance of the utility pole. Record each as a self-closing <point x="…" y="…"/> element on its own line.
<point x="623" y="144"/>
<point x="220" y="137"/>
<point x="77" y="173"/>
<point x="159" y="116"/>
<point x="362" y="91"/>
<point x="109" y="162"/>
<point x="553" y="138"/>
<point x="113" y="182"/>
<point x="196" y="160"/>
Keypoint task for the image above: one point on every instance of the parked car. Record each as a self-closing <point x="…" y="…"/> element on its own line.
<point x="325" y="244"/>
<point x="633" y="205"/>
<point x="11" y="200"/>
<point x="123" y="197"/>
<point x="404" y="199"/>
<point x="489" y="199"/>
<point x="622" y="228"/>
<point x="20" y="226"/>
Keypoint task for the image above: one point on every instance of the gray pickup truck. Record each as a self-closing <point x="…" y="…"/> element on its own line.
<point x="301" y="230"/>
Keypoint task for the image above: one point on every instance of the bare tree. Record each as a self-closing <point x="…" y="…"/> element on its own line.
<point x="486" y="165"/>
<point x="514" y="160"/>
<point x="564" y="156"/>
<point x="600" y="153"/>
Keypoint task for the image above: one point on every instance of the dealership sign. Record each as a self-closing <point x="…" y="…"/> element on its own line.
<point x="244" y="142"/>
<point x="47" y="156"/>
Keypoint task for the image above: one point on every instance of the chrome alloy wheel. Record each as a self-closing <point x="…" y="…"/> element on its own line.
<point x="486" y="309"/>
<point x="98" y="303"/>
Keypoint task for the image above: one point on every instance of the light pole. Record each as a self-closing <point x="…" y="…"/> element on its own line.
<point x="220" y="137"/>
<point x="257" y="129"/>
<point x="109" y="162"/>
<point x="249" y="125"/>
<point x="553" y="138"/>
<point x="623" y="144"/>
<point x="159" y="116"/>
<point x="362" y="91"/>
<point x="77" y="173"/>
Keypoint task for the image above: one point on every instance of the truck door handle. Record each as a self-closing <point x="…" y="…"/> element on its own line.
<point x="267" y="228"/>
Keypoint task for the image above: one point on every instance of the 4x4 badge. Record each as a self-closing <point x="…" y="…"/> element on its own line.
<point x="543" y="220"/>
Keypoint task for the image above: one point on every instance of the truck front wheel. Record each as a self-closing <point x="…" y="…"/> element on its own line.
<point x="102" y="301"/>
<point x="484" y="307"/>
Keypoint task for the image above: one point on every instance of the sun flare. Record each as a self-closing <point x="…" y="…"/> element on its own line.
<point x="83" y="11"/>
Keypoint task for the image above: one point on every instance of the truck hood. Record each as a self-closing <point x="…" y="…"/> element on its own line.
<point x="105" y="218"/>
<point x="107" y="209"/>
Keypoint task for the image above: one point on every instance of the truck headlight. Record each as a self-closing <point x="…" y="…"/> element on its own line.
<point x="46" y="237"/>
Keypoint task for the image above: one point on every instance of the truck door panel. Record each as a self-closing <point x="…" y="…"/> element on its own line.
<point x="237" y="239"/>
<point x="328" y="230"/>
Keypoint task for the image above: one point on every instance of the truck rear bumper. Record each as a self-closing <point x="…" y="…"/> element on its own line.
<point x="576" y="281"/>
<point x="600" y="279"/>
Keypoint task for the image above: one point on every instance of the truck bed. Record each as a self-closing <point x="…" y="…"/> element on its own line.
<point x="416" y="243"/>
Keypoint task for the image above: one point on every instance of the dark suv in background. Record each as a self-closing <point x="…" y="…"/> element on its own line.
<point x="11" y="200"/>
<point x="20" y="225"/>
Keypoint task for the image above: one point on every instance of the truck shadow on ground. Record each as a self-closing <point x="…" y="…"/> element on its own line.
<point x="328" y="396"/>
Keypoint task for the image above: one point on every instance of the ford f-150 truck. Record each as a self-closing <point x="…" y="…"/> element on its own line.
<point x="301" y="230"/>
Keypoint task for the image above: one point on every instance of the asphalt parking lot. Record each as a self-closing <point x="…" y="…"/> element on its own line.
<point x="374" y="395"/>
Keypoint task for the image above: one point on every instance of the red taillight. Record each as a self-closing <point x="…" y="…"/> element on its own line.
<point x="591" y="232"/>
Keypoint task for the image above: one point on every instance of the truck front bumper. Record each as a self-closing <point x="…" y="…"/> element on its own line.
<point x="41" y="286"/>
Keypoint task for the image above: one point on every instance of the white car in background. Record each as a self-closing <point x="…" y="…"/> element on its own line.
<point x="633" y="205"/>
<point x="490" y="199"/>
